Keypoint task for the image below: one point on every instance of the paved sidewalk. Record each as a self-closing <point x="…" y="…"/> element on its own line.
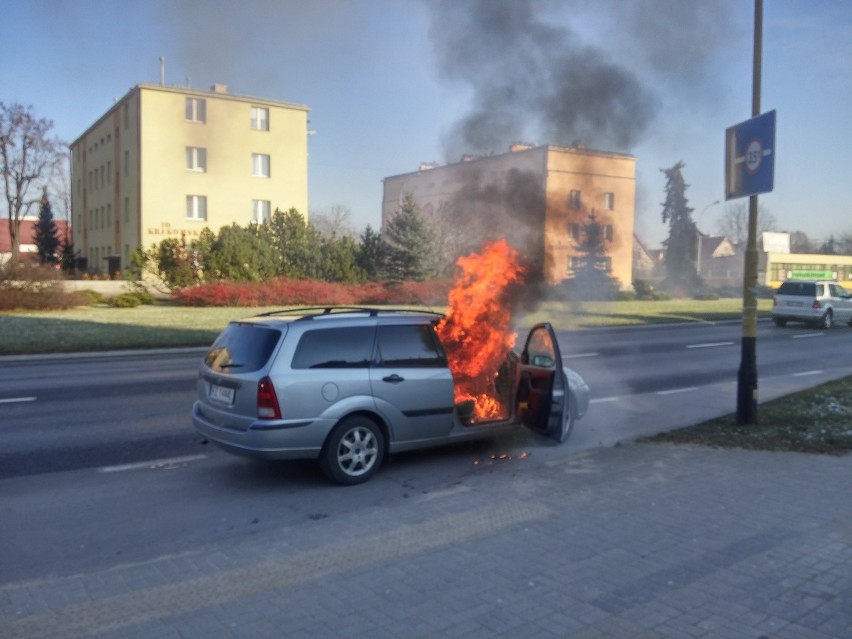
<point x="632" y="541"/>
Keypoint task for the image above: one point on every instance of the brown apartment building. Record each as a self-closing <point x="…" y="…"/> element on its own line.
<point x="537" y="197"/>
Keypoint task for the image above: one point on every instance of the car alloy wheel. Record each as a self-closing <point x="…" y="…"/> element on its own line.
<point x="827" y="320"/>
<point x="353" y="451"/>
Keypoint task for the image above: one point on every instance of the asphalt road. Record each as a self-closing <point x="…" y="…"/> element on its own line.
<point x="89" y="411"/>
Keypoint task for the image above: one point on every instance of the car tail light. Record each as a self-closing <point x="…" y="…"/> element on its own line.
<point x="816" y="304"/>
<point x="267" y="400"/>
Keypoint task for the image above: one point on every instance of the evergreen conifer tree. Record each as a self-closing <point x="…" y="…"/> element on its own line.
<point x="410" y="245"/>
<point x="682" y="244"/>
<point x="46" y="233"/>
<point x="591" y="272"/>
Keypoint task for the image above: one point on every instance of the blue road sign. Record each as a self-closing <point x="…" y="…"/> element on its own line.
<point x="750" y="157"/>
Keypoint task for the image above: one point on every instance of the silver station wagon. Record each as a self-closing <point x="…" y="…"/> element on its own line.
<point x="348" y="386"/>
<point x="821" y="303"/>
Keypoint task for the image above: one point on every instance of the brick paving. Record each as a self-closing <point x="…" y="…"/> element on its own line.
<point x="634" y="541"/>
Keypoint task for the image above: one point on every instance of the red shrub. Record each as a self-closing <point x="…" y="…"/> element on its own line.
<point x="286" y="292"/>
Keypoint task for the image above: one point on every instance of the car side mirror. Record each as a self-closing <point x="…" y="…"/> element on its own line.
<point x="543" y="361"/>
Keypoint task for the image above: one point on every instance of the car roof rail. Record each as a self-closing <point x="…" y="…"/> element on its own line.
<point x="310" y="312"/>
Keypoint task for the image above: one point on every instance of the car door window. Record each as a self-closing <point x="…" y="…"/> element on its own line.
<point x="409" y="345"/>
<point x="540" y="350"/>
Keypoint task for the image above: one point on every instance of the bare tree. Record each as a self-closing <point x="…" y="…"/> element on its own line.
<point x="29" y="160"/>
<point x="734" y="222"/>
<point x="334" y="222"/>
<point x="844" y="242"/>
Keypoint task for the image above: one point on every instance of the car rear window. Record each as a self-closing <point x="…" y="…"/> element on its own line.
<point x="335" y="348"/>
<point x="242" y="348"/>
<point x="798" y="288"/>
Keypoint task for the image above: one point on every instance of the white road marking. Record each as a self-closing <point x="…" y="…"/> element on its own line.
<point x="601" y="400"/>
<point x="579" y="355"/>
<point x="807" y="335"/>
<point x="152" y="464"/>
<point x="806" y="373"/>
<point x="15" y="400"/>
<point x="710" y="345"/>
<point x="673" y="391"/>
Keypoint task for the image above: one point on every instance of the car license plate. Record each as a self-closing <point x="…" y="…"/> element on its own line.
<point x="221" y="394"/>
<point x="797" y="304"/>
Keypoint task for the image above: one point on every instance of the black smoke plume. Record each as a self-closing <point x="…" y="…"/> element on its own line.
<point x="531" y="77"/>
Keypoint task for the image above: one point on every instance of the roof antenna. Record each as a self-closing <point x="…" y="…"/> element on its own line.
<point x="162" y="71"/>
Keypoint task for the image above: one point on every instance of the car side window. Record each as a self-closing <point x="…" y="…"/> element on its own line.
<point x="335" y="348"/>
<point x="837" y="290"/>
<point x="410" y="346"/>
<point x="820" y="290"/>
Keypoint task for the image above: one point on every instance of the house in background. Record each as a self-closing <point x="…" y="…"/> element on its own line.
<point x="165" y="162"/>
<point x="647" y="263"/>
<point x="719" y="263"/>
<point x="26" y="238"/>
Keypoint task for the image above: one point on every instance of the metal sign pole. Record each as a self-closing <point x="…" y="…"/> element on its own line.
<point x="747" y="375"/>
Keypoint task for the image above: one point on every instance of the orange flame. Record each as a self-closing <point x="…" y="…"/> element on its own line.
<point x="475" y="331"/>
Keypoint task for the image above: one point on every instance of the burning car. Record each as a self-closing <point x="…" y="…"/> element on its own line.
<point x="347" y="386"/>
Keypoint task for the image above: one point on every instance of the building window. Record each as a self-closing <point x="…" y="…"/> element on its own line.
<point x="260" y="211"/>
<point x="603" y="264"/>
<point x="608" y="232"/>
<point x="574" y="231"/>
<point x="196" y="207"/>
<point x="260" y="118"/>
<point x="126" y="163"/>
<point x="196" y="110"/>
<point x="127" y="209"/>
<point x="126" y="115"/>
<point x="574" y="199"/>
<point x="609" y="201"/>
<point x="196" y="159"/>
<point x="260" y="165"/>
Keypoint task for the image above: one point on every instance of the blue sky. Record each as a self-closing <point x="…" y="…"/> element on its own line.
<point x="390" y="84"/>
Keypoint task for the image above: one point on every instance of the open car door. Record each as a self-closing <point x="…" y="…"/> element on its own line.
<point x="542" y="395"/>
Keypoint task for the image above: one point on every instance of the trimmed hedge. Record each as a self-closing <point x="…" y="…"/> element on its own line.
<point x="289" y="292"/>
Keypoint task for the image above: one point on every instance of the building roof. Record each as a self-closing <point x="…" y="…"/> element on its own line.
<point x="216" y="91"/>
<point x="514" y="149"/>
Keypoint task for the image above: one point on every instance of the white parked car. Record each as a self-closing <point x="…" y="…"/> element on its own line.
<point x="822" y="303"/>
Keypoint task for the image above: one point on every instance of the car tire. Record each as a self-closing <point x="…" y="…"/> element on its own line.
<point x="570" y="419"/>
<point x="827" y="320"/>
<point x="779" y="321"/>
<point x="353" y="451"/>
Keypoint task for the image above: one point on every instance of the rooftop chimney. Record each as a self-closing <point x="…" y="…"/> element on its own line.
<point x="219" y="88"/>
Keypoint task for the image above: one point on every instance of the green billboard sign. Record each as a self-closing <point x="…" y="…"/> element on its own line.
<point x="812" y="275"/>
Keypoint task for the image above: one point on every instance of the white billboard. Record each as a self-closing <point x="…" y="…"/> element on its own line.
<point x="776" y="242"/>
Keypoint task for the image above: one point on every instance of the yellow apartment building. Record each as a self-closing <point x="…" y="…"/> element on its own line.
<point x="168" y="161"/>
<point x="537" y="197"/>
